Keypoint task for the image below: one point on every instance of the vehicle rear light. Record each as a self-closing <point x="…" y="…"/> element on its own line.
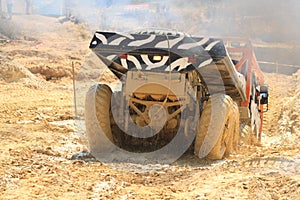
<point x="123" y="56"/>
<point x="192" y="60"/>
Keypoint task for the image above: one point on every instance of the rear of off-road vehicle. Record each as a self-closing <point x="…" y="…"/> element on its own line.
<point x="178" y="92"/>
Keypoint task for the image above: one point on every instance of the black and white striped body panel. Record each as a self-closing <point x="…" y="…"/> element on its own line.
<point x="178" y="52"/>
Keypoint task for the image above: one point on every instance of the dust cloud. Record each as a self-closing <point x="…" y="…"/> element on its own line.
<point x="269" y="20"/>
<point x="271" y="24"/>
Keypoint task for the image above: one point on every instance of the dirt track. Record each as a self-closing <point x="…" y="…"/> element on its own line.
<point x="38" y="136"/>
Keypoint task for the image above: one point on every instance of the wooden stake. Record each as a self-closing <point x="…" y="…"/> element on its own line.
<point x="74" y="90"/>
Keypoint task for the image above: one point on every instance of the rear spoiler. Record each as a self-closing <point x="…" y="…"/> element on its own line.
<point x="157" y="51"/>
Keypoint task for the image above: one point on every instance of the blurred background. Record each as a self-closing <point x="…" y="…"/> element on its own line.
<point x="272" y="25"/>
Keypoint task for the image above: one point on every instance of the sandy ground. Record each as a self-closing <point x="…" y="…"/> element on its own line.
<point x="39" y="138"/>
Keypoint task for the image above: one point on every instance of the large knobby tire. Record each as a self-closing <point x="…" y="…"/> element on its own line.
<point x="233" y="139"/>
<point x="216" y="128"/>
<point x="255" y="140"/>
<point x="97" y="119"/>
<point x="236" y="133"/>
<point x="246" y="135"/>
